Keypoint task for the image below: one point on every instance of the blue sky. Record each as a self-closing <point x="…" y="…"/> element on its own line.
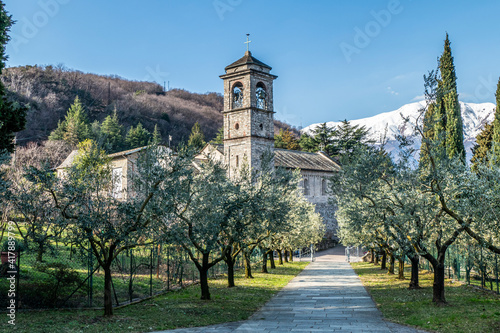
<point x="341" y="59"/>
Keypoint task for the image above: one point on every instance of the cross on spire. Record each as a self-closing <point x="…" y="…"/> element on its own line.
<point x="248" y="42"/>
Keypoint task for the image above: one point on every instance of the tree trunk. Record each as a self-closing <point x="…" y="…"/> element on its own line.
<point x="384" y="261"/>
<point x="248" y="264"/>
<point x="376" y="258"/>
<point x="286" y="255"/>
<point x="372" y="258"/>
<point x="271" y="258"/>
<point x="108" y="300"/>
<point x="264" y="261"/>
<point x="205" y="293"/>
<point x="414" y="284"/>
<point x="401" y="268"/>
<point x="39" y="253"/>
<point x="230" y="269"/>
<point x="291" y="256"/>
<point x="280" y="256"/>
<point x="438" y="286"/>
<point x="391" y="264"/>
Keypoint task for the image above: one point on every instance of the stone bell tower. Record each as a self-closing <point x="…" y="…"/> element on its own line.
<point x="248" y="112"/>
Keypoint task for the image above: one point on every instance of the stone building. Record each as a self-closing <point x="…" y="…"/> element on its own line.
<point x="123" y="165"/>
<point x="249" y="132"/>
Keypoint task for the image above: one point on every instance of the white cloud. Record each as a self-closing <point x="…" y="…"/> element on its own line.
<point x="418" y="98"/>
<point x="392" y="92"/>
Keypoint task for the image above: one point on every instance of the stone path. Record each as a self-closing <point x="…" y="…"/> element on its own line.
<point x="327" y="296"/>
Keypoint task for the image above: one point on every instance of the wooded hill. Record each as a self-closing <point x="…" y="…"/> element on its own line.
<point x="48" y="92"/>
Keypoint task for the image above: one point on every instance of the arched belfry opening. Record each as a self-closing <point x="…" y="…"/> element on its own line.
<point x="237" y="95"/>
<point x="261" y="96"/>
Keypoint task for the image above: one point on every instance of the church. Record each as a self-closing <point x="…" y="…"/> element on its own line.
<point x="249" y="132"/>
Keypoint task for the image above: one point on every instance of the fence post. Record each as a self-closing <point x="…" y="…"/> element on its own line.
<point x="151" y="274"/>
<point x="131" y="274"/>
<point x="168" y="267"/>
<point x="496" y="270"/>
<point x="90" y="269"/>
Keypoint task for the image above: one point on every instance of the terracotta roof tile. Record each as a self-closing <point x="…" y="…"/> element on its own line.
<point x="294" y="159"/>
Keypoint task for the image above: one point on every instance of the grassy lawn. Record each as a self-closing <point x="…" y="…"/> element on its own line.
<point x="175" y="309"/>
<point x="469" y="309"/>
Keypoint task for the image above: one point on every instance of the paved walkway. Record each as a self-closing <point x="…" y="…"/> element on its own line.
<point x="327" y="296"/>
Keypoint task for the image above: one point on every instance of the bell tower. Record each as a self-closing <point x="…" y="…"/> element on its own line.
<point x="248" y="112"/>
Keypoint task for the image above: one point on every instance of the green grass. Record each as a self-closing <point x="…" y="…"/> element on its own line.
<point x="175" y="309"/>
<point x="469" y="309"/>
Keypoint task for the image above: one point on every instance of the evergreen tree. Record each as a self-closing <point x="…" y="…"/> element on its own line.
<point x="430" y="119"/>
<point x="137" y="137"/>
<point x="347" y="137"/>
<point x="482" y="148"/>
<point x="75" y="126"/>
<point x="58" y="133"/>
<point x="95" y="132"/>
<point x="111" y="130"/>
<point x="495" y="144"/>
<point x="196" y="138"/>
<point x="450" y="106"/>
<point x="219" y="138"/>
<point x="307" y="143"/>
<point x="428" y="135"/>
<point x="156" y="136"/>
<point x="323" y="135"/>
<point x="12" y="118"/>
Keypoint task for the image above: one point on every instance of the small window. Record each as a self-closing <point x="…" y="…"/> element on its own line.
<point x="323" y="187"/>
<point x="117" y="181"/>
<point x="237" y="161"/>
<point x="306" y="186"/>
<point x="237" y="126"/>
<point x="261" y="126"/>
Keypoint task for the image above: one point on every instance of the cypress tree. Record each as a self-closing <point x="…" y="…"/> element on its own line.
<point x="495" y="139"/>
<point x="196" y="138"/>
<point x="156" y="135"/>
<point x="12" y="119"/>
<point x="449" y="109"/>
<point x="428" y="135"/>
<point x="482" y="147"/>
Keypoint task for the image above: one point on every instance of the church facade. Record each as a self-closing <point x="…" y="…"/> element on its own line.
<point x="249" y="132"/>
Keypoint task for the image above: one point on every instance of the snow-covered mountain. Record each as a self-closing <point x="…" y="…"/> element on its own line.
<point x="474" y="117"/>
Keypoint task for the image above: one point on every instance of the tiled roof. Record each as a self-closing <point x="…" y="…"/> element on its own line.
<point x="220" y="148"/>
<point x="247" y="59"/>
<point x="127" y="152"/>
<point x="294" y="159"/>
<point x="71" y="157"/>
<point x="69" y="160"/>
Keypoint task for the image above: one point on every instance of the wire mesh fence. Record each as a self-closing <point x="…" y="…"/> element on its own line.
<point x="70" y="277"/>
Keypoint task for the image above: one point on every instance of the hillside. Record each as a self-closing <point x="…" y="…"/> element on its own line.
<point x="474" y="116"/>
<point x="48" y="92"/>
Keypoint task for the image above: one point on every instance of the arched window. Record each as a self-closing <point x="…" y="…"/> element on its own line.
<point x="323" y="187"/>
<point x="306" y="186"/>
<point x="261" y="95"/>
<point x="237" y="95"/>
